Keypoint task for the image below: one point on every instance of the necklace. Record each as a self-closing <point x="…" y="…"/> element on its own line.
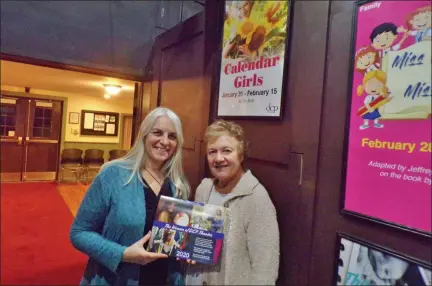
<point x="153" y="177"/>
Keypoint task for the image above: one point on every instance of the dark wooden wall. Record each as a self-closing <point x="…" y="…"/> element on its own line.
<point x="278" y="149"/>
<point x="299" y="159"/>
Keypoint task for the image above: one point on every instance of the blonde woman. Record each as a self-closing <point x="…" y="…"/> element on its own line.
<point x="114" y="220"/>
<point x="250" y="253"/>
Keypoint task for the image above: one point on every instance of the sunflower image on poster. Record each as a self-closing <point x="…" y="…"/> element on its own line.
<point x="254" y="28"/>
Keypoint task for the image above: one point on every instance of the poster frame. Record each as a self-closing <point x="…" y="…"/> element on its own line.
<point x="372" y="245"/>
<point x="71" y="119"/>
<point x="285" y="71"/>
<point x="93" y="132"/>
<point x="342" y="208"/>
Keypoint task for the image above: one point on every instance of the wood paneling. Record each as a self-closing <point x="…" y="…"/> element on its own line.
<point x="284" y="154"/>
<point x="178" y="65"/>
<point x="64" y="66"/>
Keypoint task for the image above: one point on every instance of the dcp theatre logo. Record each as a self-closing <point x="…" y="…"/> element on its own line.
<point x="272" y="108"/>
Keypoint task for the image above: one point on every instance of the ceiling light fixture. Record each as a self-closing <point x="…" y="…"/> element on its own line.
<point x="112" y="89"/>
<point x="107" y="96"/>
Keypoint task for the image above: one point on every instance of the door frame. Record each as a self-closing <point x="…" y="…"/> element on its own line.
<point x="64" y="66"/>
<point x="63" y="116"/>
<point x="122" y="117"/>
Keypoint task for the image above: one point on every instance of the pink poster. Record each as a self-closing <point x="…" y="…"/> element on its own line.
<point x="388" y="174"/>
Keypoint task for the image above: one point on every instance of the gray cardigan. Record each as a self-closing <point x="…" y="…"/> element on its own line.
<point x="250" y="253"/>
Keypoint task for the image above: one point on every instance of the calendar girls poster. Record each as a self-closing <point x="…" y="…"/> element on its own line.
<point x="253" y="58"/>
<point x="388" y="172"/>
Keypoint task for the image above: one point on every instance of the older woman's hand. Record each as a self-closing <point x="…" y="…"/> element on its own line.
<point x="138" y="255"/>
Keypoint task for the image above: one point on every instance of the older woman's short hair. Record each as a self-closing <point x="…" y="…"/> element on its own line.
<point x="222" y="127"/>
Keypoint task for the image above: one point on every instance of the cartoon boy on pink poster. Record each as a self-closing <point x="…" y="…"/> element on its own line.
<point x="383" y="38"/>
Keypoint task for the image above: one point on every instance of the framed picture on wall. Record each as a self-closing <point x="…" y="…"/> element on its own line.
<point x="253" y="59"/>
<point x="73" y="118"/>
<point x="388" y="151"/>
<point x="98" y="123"/>
<point x="363" y="263"/>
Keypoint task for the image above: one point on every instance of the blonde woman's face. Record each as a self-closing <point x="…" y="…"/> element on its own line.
<point x="161" y="142"/>
<point x="223" y="157"/>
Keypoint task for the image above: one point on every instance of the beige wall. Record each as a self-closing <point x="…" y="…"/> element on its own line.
<point x="75" y="103"/>
<point x="78" y="102"/>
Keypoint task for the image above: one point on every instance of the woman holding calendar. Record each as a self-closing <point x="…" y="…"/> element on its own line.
<point x="113" y="223"/>
<point x="250" y="256"/>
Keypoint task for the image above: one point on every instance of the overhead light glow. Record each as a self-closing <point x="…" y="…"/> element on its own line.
<point x="112" y="89"/>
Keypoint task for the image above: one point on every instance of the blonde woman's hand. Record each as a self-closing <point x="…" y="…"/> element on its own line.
<point x="138" y="255"/>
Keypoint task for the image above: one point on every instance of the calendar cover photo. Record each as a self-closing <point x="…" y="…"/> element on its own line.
<point x="188" y="230"/>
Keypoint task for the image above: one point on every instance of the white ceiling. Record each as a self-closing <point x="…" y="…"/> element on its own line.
<point x="37" y="77"/>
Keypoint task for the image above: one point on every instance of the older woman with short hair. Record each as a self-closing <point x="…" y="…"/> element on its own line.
<point x="250" y="254"/>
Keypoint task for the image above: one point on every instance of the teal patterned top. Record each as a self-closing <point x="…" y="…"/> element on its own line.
<point x="111" y="217"/>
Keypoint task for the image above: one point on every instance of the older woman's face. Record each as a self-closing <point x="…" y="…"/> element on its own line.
<point x="223" y="158"/>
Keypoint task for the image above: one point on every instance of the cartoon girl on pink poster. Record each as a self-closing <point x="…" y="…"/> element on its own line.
<point x="374" y="83"/>
<point x="366" y="60"/>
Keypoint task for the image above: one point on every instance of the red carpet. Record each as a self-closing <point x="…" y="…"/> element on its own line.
<point x="35" y="245"/>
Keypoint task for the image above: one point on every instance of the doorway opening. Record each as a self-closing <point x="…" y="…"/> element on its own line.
<point x="46" y="132"/>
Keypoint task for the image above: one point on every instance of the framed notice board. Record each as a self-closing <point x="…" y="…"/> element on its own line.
<point x="99" y="123"/>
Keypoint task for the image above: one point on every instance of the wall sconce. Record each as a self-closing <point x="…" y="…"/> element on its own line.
<point x="112" y="89"/>
<point x="107" y="96"/>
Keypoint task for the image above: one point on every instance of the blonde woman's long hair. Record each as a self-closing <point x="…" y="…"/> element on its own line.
<point x="379" y="75"/>
<point x="136" y="158"/>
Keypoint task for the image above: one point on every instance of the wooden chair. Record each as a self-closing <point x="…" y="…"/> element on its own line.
<point x="116" y="154"/>
<point x="71" y="161"/>
<point x="93" y="160"/>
